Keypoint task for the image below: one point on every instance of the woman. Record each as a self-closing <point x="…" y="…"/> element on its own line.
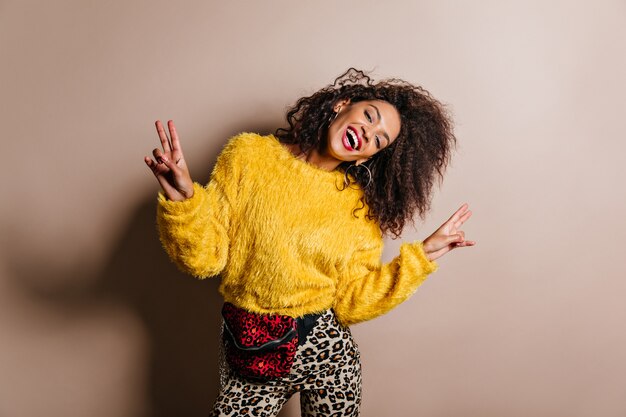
<point x="293" y="223"/>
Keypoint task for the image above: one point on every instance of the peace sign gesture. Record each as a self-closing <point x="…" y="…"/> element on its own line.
<point x="169" y="165"/>
<point x="448" y="236"/>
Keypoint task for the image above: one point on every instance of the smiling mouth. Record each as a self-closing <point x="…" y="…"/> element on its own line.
<point x="353" y="139"/>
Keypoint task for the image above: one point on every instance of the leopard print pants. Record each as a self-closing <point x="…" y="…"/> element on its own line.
<point x="326" y="372"/>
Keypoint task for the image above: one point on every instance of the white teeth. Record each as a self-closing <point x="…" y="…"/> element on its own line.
<point x="352" y="138"/>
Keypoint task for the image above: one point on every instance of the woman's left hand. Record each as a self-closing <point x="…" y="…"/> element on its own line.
<point x="449" y="235"/>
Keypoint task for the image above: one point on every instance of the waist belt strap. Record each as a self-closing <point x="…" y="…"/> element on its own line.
<point x="305" y="325"/>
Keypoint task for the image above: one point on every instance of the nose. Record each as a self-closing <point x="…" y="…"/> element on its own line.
<point x="366" y="132"/>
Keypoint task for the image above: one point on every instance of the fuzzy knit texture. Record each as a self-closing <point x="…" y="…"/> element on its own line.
<point x="285" y="238"/>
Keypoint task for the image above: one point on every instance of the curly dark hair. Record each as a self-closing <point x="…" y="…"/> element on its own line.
<point x="404" y="173"/>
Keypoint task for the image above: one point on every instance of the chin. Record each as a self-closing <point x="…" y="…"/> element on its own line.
<point x="338" y="152"/>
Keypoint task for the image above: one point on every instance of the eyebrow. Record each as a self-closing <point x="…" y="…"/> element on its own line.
<point x="384" y="133"/>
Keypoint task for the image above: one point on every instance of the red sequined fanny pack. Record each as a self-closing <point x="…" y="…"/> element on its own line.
<point x="262" y="346"/>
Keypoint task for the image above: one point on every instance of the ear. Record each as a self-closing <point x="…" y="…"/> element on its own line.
<point x="340" y="104"/>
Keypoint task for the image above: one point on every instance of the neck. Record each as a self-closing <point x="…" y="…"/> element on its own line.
<point x="314" y="157"/>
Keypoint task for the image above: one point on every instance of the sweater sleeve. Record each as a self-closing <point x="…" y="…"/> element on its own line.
<point x="370" y="288"/>
<point x="195" y="232"/>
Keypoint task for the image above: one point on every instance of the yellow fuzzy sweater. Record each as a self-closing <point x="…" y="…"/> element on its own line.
<point x="285" y="239"/>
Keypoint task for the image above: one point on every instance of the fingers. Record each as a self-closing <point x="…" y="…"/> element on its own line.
<point x="463" y="219"/>
<point x="438" y="253"/>
<point x="459" y="213"/>
<point x="458" y="240"/>
<point x="151" y="164"/>
<point x="455" y="238"/>
<point x="165" y="142"/>
<point x="438" y="244"/>
<point x="459" y="217"/>
<point x="157" y="168"/>
<point x="174" y="136"/>
<point x="163" y="159"/>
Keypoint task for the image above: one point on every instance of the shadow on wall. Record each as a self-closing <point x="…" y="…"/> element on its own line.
<point x="173" y="367"/>
<point x="180" y="317"/>
<point x="181" y="314"/>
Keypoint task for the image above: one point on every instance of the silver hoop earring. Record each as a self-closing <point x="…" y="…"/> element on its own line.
<point x="346" y="180"/>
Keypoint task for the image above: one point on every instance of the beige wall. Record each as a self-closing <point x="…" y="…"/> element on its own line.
<point x="94" y="320"/>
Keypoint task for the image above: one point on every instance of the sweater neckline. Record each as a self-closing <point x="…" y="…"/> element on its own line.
<point x="304" y="165"/>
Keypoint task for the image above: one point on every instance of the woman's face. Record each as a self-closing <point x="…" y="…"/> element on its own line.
<point x="361" y="129"/>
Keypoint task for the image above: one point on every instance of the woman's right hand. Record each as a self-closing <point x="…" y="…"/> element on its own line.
<point x="169" y="167"/>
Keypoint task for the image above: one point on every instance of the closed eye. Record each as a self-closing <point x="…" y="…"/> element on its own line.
<point x="367" y="115"/>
